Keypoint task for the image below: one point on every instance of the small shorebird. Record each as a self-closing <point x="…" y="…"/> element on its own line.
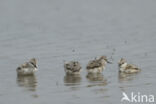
<point x="97" y="65"/>
<point x="28" y="68"/>
<point x="127" y="68"/>
<point x="72" y="67"/>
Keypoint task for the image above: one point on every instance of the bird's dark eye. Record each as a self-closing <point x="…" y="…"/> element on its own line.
<point x="18" y="68"/>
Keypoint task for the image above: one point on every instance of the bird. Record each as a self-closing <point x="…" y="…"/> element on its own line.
<point x="127" y="68"/>
<point x="72" y="67"/>
<point x="97" y="65"/>
<point x="28" y="68"/>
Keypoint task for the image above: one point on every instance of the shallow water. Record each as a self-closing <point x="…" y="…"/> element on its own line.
<point x="57" y="31"/>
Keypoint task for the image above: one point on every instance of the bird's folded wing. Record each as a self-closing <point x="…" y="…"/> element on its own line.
<point x="93" y="64"/>
<point x="132" y="67"/>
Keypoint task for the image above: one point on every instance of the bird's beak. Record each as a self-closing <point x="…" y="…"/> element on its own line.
<point x="109" y="62"/>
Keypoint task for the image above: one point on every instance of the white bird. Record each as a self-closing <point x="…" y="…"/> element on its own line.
<point x="127" y="68"/>
<point x="28" y="68"/>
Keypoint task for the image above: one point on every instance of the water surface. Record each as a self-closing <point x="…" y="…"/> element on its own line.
<point x="55" y="30"/>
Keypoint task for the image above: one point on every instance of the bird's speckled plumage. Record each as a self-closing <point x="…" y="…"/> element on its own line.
<point x="127" y="68"/>
<point x="72" y="67"/>
<point x="28" y="68"/>
<point x="97" y="65"/>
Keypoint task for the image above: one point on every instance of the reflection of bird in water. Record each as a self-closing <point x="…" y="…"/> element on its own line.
<point x="72" y="79"/>
<point x="126" y="77"/>
<point x="97" y="79"/>
<point x="29" y="82"/>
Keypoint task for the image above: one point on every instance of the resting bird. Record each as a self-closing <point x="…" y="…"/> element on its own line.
<point x="127" y="68"/>
<point x="97" y="65"/>
<point x="72" y="67"/>
<point x="28" y="68"/>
